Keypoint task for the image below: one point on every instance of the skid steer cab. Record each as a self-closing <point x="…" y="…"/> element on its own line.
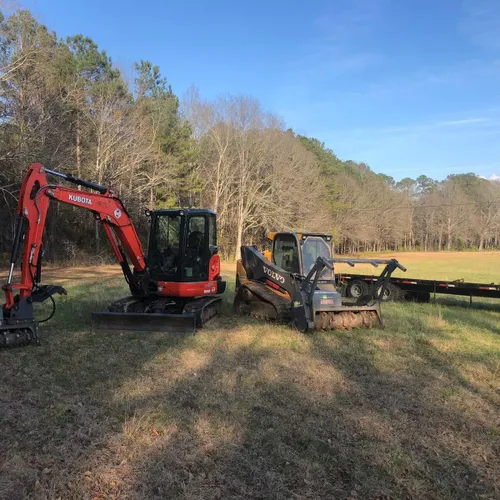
<point x="297" y="253"/>
<point x="294" y="282"/>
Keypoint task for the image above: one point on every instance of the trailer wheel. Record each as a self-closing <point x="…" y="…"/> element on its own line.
<point x="357" y="289"/>
<point x="392" y="293"/>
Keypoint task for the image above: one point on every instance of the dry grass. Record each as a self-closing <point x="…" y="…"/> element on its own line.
<point x="249" y="410"/>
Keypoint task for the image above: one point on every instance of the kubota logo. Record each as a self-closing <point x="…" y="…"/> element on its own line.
<point x="274" y="275"/>
<point x="80" y="199"/>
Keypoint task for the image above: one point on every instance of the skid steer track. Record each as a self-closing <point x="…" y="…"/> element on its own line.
<point x="257" y="300"/>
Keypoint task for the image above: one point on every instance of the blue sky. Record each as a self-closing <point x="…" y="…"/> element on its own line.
<point x="408" y="86"/>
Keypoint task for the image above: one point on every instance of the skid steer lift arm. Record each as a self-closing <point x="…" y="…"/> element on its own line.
<point x="304" y="306"/>
<point x="36" y="193"/>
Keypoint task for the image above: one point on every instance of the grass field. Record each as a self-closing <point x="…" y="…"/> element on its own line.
<point x="482" y="267"/>
<point x="249" y="410"/>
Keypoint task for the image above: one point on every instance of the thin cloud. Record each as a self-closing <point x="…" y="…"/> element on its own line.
<point x="457" y="75"/>
<point x="465" y="121"/>
<point x="473" y="167"/>
<point x="335" y="49"/>
<point x="343" y="18"/>
<point x="412" y="128"/>
<point x="323" y="61"/>
<point x="480" y="22"/>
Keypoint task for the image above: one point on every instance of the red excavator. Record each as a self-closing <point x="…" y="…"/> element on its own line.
<point x="176" y="286"/>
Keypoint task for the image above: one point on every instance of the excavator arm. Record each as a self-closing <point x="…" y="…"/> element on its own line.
<point x="16" y="322"/>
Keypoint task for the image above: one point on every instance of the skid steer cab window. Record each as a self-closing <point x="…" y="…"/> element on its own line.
<point x="165" y="252"/>
<point x="312" y="248"/>
<point x="286" y="253"/>
<point x="196" y="262"/>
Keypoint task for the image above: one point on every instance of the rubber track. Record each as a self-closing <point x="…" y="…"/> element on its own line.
<point x="17" y="337"/>
<point x="205" y="308"/>
<point x="345" y="320"/>
<point x="127" y="305"/>
<point x="265" y="294"/>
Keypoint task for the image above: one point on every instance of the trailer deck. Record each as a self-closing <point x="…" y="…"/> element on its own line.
<point x="419" y="288"/>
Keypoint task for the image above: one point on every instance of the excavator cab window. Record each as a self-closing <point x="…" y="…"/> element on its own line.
<point x="164" y="253"/>
<point x="286" y="253"/>
<point x="181" y="244"/>
<point x="197" y="257"/>
<point x="212" y="232"/>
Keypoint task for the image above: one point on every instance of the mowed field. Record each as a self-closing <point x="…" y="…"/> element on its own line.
<point x="245" y="409"/>
<point x="478" y="267"/>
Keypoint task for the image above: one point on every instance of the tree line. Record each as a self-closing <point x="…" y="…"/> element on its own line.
<point x="64" y="104"/>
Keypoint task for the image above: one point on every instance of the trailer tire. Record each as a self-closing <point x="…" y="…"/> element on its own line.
<point x="392" y="293"/>
<point x="357" y="289"/>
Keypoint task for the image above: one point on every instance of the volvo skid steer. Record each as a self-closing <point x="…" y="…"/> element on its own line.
<point x="294" y="282"/>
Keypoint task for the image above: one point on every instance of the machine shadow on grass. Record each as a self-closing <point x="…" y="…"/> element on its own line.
<point x="242" y="410"/>
<point x="275" y="430"/>
<point x="436" y="440"/>
<point x="56" y="405"/>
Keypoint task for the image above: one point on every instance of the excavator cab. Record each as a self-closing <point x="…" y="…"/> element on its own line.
<point x="181" y="244"/>
<point x="182" y="283"/>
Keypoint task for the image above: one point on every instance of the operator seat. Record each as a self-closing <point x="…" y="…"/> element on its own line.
<point x="195" y="240"/>
<point x="194" y="254"/>
<point x="290" y="262"/>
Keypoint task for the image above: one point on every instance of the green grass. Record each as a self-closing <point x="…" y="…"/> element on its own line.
<point x="245" y="409"/>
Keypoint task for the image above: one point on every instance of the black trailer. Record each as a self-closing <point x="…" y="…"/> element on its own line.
<point x="358" y="285"/>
